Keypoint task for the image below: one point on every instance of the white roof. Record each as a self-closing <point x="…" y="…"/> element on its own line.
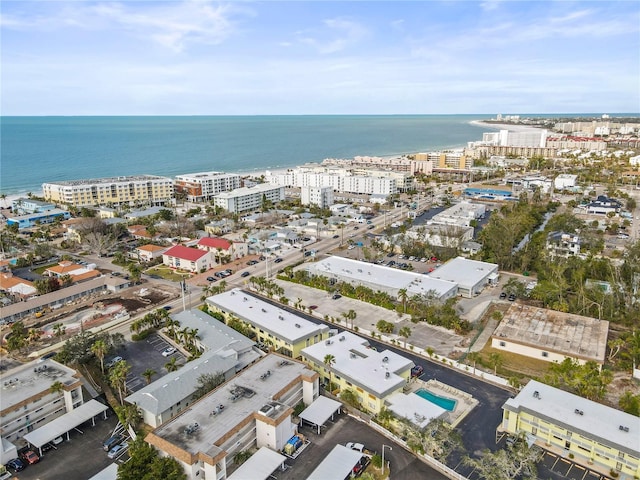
<point x="415" y="409"/>
<point x="466" y="273"/>
<point x="238" y="192"/>
<point x="320" y="410"/>
<point x="375" y="372"/>
<point x="596" y="421"/>
<point x="279" y="322"/>
<point x="66" y="422"/>
<point x="259" y="466"/>
<point x="109" y="473"/>
<point x="355" y="271"/>
<point x="337" y="465"/>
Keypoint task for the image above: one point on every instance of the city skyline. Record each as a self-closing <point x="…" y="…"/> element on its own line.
<point x="196" y="57"/>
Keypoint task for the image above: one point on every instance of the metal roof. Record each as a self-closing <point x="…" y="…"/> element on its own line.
<point x="337" y="465"/>
<point x="320" y="410"/>
<point x="259" y="466"/>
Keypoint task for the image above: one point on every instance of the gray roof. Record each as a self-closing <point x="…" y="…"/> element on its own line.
<point x="466" y="273"/>
<point x="337" y="465"/>
<point x="260" y="466"/>
<point x="320" y="410"/>
<point x="590" y="419"/>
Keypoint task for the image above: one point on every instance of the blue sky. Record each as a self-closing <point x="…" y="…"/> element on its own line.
<point x="196" y="57"/>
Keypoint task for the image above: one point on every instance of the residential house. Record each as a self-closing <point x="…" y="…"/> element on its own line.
<point x="561" y="244"/>
<point x="192" y="260"/>
<point x="149" y="252"/>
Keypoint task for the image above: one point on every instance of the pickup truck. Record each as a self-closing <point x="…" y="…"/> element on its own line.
<point x="359" y="447"/>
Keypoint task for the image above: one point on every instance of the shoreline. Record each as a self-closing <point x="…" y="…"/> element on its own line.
<point x="505" y="126"/>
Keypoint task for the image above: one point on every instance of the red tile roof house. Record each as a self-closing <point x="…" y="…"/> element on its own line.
<point x="220" y="247"/>
<point x="77" y="272"/>
<point x="193" y="260"/>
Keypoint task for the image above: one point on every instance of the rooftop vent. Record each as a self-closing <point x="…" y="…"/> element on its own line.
<point x="623" y="428"/>
<point x="385" y="359"/>
<point x="328" y="342"/>
<point x="342" y="339"/>
<point x="280" y="317"/>
<point x="536" y="394"/>
<point x="192" y="428"/>
<point x="218" y="409"/>
<point x="353" y="355"/>
<point x="387" y="375"/>
<point x="577" y="411"/>
<point x="264" y="310"/>
<point x="265" y="375"/>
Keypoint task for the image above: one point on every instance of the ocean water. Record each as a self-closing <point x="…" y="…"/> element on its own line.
<point x="34" y="150"/>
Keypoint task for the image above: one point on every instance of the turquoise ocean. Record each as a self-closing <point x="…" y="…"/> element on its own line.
<point x="35" y="150"/>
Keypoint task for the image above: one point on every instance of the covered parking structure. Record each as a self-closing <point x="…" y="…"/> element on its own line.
<point x="260" y="466"/>
<point x="338" y="464"/>
<point x="65" y="423"/>
<point x="321" y="410"/>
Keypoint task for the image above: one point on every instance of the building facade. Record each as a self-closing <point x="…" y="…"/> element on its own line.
<point x="249" y="198"/>
<point x="319" y="196"/>
<point x="141" y="189"/>
<point x="192" y="260"/>
<point x="198" y="187"/>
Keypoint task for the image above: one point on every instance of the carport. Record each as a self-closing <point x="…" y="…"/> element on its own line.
<point x="338" y="464"/>
<point x="321" y="410"/>
<point x="66" y="423"/>
<point x="259" y="466"/>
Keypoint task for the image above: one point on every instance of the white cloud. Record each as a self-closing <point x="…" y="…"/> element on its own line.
<point x="338" y="35"/>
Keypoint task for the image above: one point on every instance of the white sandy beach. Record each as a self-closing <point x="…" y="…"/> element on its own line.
<point x="505" y="126"/>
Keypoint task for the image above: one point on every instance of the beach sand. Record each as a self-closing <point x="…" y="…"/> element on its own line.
<point x="505" y="126"/>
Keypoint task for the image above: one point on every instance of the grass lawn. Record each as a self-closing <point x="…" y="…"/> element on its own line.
<point x="514" y="365"/>
<point x="167" y="273"/>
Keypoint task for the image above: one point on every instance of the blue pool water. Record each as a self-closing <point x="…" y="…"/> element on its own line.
<point x="446" y="403"/>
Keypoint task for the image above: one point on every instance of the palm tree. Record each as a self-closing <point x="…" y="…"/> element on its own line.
<point x="171" y="365"/>
<point x="100" y="349"/>
<point x="56" y="387"/>
<point x="329" y="360"/>
<point x="34" y="335"/>
<point x="405" y="332"/>
<point x="118" y="378"/>
<point x="148" y="373"/>
<point x="171" y="325"/>
<point x="473" y="357"/>
<point x="496" y="360"/>
<point x="59" y="329"/>
<point x="402" y="296"/>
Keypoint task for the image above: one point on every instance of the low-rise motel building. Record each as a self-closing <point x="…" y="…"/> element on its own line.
<point x="593" y="434"/>
<point x="254" y="409"/>
<point x="347" y="360"/>
<point x="190" y="259"/>
<point x="282" y="331"/>
<point x="150" y="189"/>
<point x="551" y="336"/>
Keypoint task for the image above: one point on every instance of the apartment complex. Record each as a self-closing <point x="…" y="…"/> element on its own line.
<point x="149" y="189"/>
<point x="550" y="335"/>
<point x="319" y="196"/>
<point x="283" y="331"/>
<point x="31" y="220"/>
<point x="28" y="400"/>
<point x="247" y="199"/>
<point x="592" y="433"/>
<point x="192" y="260"/>
<point x="254" y="409"/>
<point x="225" y="352"/>
<point x="198" y="187"/>
<point x="371" y="375"/>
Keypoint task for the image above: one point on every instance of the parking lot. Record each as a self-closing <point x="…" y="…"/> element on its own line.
<point x="146" y="354"/>
<point x="77" y="459"/>
<point x="568" y="469"/>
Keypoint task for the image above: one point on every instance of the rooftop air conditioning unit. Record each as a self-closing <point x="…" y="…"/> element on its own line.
<point x="385" y="359"/>
<point x="387" y="375"/>
<point x="328" y="342"/>
<point x="342" y="339"/>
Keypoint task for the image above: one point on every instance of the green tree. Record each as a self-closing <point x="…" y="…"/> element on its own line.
<point x="405" y="332"/>
<point x="146" y="464"/>
<point x="384" y="327"/>
<point x="100" y="349"/>
<point x="118" y="378"/>
<point x="148" y="374"/>
<point x="473" y="357"/>
<point x="171" y="365"/>
<point x="329" y="361"/>
<point x="59" y="329"/>
<point x="206" y="383"/>
<point x="56" y="387"/>
<point x="496" y="360"/>
<point x="630" y="403"/>
<point x="17" y="338"/>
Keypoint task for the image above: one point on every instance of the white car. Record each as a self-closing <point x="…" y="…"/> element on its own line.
<point x="117" y="450"/>
<point x="355" y="446"/>
<point x="168" y="351"/>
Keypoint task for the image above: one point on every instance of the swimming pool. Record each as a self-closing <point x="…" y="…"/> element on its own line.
<point x="446" y="403"/>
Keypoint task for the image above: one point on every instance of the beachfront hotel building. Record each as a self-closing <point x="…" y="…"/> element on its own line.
<point x="282" y="331"/>
<point x="380" y="277"/>
<point x="592" y="434"/>
<point x="140" y="189"/>
<point x="371" y="375"/>
<point x="198" y="187"/>
<point x="254" y="409"/>
<point x="320" y="196"/>
<point x="550" y="335"/>
<point x="27" y="400"/>
<point x="248" y="199"/>
<point x="412" y="164"/>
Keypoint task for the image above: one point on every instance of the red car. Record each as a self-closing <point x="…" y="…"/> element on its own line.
<point x="30" y="457"/>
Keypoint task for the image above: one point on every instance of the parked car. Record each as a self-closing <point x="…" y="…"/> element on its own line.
<point x="417" y="370"/>
<point x="16" y="464"/>
<point x="168" y="351"/>
<point x="211" y="279"/>
<point x="117" y="450"/>
<point x="503" y="295"/>
<point x="278" y="260"/>
<point x="358" y="447"/>
<point x="512" y="297"/>
<point x="30" y="457"/>
<point x="245" y="274"/>
<point x="336" y="236"/>
<point x="391" y="254"/>
<point x="313" y="307"/>
<point x="111" y="442"/>
<point x="112" y="363"/>
<point x="336" y="296"/>
<point x="361" y="465"/>
<point x="167" y="307"/>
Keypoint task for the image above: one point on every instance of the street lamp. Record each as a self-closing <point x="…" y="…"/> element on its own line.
<point x="383" y="447"/>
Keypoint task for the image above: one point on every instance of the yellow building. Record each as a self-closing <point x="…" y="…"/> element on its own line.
<point x="347" y="361"/>
<point x="278" y="329"/>
<point x="142" y="189"/>
<point x="593" y="434"/>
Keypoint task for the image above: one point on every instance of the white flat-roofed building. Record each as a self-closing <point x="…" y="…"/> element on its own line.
<point x="550" y="335"/>
<point x="150" y="189"/>
<point x="26" y="399"/>
<point x="470" y="276"/>
<point x="590" y="432"/>
<point x="225" y="351"/>
<point x="565" y="180"/>
<point x="320" y="196"/>
<point x="203" y="186"/>
<point x="440" y="235"/>
<point x="343" y="180"/>
<point x="415" y="409"/>
<point x="379" y="277"/>
<point x="460" y="214"/>
<point x="337" y="465"/>
<point x="254" y="409"/>
<point x="286" y="332"/>
<point x="249" y="198"/>
<point x="371" y="375"/>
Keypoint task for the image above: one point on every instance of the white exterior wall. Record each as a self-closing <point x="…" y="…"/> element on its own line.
<point x="310" y="391"/>
<point x="531" y="352"/>
<point x="274" y="437"/>
<point x="247" y="199"/>
<point x="204" y="262"/>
